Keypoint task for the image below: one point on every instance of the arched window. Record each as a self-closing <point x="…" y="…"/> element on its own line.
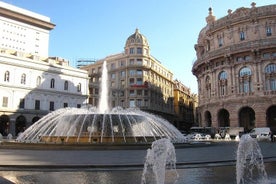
<point x="270" y="77"/>
<point x="245" y="83"/>
<point x="38" y="81"/>
<point x="7" y="76"/>
<point x="222" y="83"/>
<point x="52" y="85"/>
<point x="66" y="85"/>
<point x="79" y="87"/>
<point x="208" y="86"/>
<point x="23" y="78"/>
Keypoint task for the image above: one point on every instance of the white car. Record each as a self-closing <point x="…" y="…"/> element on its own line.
<point x="261" y="133"/>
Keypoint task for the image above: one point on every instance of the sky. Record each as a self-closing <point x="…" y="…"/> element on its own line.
<point x="94" y="29"/>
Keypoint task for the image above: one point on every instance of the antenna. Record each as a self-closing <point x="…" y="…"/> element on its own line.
<point x="210" y="2"/>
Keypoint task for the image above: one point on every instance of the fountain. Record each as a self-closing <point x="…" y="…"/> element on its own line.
<point x="100" y="125"/>
<point x="160" y="156"/>
<point x="249" y="165"/>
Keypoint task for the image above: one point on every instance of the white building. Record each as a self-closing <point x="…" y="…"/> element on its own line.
<point x="33" y="84"/>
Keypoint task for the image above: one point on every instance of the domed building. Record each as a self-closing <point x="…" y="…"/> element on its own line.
<point x="135" y="79"/>
<point x="236" y="69"/>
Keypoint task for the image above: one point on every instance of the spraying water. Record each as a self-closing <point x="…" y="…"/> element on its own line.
<point x="250" y="166"/>
<point x="103" y="103"/>
<point x="160" y="156"/>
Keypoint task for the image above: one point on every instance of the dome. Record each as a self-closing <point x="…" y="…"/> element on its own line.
<point x="137" y="38"/>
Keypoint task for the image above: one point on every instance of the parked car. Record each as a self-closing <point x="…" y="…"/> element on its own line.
<point x="204" y="131"/>
<point x="261" y="133"/>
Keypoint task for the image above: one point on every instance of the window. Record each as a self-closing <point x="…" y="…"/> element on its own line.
<point x="268" y="31"/>
<point x="122" y="63"/>
<point x="123" y="73"/>
<point x="5" y="101"/>
<point x="23" y="78"/>
<point x="271" y="68"/>
<point x="38" y="81"/>
<point x="208" y="86"/>
<point x="139" y="81"/>
<point x="52" y="85"/>
<point x="131" y="103"/>
<point x="131" y="62"/>
<point x="132" y="72"/>
<point x="131" y="81"/>
<point x="65" y="105"/>
<point x="66" y="85"/>
<point x="79" y="87"/>
<point x="220" y="41"/>
<point x="146" y="102"/>
<point x="22" y="103"/>
<point x="222" y="75"/>
<point x="139" y="62"/>
<point x="122" y="83"/>
<point x="139" y="102"/>
<point x="131" y="92"/>
<point x="139" y="50"/>
<point x="131" y="50"/>
<point x="112" y="66"/>
<point x="139" y="92"/>
<point x="247" y="58"/>
<point x="245" y="71"/>
<point x="78" y="105"/>
<point x="146" y="93"/>
<point x="242" y="35"/>
<point x="139" y="72"/>
<point x="96" y="91"/>
<point x="52" y="106"/>
<point x="37" y="104"/>
<point x="266" y="55"/>
<point x="113" y="76"/>
<point x="7" y="76"/>
<point x="270" y="77"/>
<point x="112" y="84"/>
<point x="245" y="84"/>
<point x="222" y="85"/>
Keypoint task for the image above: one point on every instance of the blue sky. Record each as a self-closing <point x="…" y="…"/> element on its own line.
<point x="97" y="28"/>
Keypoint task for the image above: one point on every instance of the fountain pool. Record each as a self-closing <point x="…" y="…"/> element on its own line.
<point x="87" y="125"/>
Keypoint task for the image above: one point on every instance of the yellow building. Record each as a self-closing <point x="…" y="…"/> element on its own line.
<point x="185" y="104"/>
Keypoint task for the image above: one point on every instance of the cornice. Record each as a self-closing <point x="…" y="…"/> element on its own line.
<point x="26" y="19"/>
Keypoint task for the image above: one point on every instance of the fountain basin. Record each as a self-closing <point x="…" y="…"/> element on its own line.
<point x="87" y="125"/>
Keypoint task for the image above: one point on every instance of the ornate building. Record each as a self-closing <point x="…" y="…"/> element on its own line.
<point x="236" y="69"/>
<point x="32" y="84"/>
<point x="136" y="79"/>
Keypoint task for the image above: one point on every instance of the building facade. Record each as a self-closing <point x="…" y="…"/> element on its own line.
<point x="236" y="69"/>
<point x="23" y="30"/>
<point x="32" y="85"/>
<point x="135" y="79"/>
<point x="185" y="104"/>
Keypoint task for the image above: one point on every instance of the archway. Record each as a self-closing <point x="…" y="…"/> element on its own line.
<point x="4" y="124"/>
<point x="20" y="124"/>
<point x="247" y="118"/>
<point x="208" y="119"/>
<point x="35" y="119"/>
<point x="223" y="118"/>
<point x="271" y="118"/>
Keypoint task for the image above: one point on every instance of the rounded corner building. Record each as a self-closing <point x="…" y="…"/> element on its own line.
<point x="236" y="69"/>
